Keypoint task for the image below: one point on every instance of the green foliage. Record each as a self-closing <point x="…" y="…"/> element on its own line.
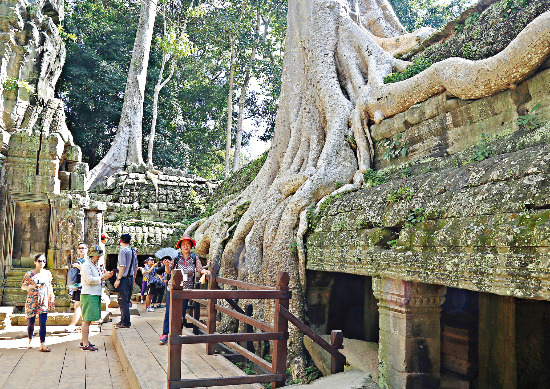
<point x="248" y="368"/>
<point x="417" y="66"/>
<point x="325" y="205"/>
<point x="66" y="36"/>
<point x="403" y="193"/>
<point x="12" y="84"/>
<point x="192" y="110"/>
<point x="312" y="218"/>
<point x="481" y="151"/>
<point x="468" y="23"/>
<point x="393" y="148"/>
<point x="415" y="216"/>
<point x="468" y="50"/>
<point x="406" y="172"/>
<point x="414" y="14"/>
<point x="338" y="185"/>
<point x="374" y="178"/>
<point x="312" y="373"/>
<point x="393" y="243"/>
<point x="352" y="142"/>
<point x="294" y="247"/>
<point x="511" y="6"/>
<point x="529" y="120"/>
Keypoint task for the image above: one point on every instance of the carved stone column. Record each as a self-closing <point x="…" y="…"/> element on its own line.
<point x="409" y="348"/>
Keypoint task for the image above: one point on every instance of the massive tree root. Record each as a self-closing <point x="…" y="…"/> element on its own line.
<point x="336" y="56"/>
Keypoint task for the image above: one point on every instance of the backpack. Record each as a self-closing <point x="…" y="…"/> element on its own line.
<point x="73" y="278"/>
<point x="134" y="263"/>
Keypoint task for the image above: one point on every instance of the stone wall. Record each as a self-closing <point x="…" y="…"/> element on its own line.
<point x="43" y="207"/>
<point x="444" y="218"/>
<point x="153" y="208"/>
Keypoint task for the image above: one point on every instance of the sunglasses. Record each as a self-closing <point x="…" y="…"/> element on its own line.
<point x="82" y="248"/>
<point x="41" y="261"/>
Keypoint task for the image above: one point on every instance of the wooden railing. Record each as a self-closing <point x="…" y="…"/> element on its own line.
<point x="278" y="332"/>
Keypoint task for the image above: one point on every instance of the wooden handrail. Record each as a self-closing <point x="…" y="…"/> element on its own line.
<point x="277" y="333"/>
<point x="231" y="294"/>
<point x="242" y="284"/>
<point x="222" y="338"/>
<point x="235" y="306"/>
<point x="246" y="319"/>
<point x="313" y="336"/>
<point x="250" y="355"/>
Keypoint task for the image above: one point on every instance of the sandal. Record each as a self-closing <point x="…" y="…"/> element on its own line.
<point x="45" y="349"/>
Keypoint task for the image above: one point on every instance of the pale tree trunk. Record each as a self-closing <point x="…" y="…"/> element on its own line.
<point x="158" y="87"/>
<point x="230" y="106"/>
<point x="242" y="97"/>
<point x="127" y="146"/>
<point x="337" y="53"/>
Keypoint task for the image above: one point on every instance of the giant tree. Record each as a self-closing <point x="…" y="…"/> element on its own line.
<point x="337" y="53"/>
<point x="127" y="146"/>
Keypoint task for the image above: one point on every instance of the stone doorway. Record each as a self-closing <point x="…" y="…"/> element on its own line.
<point x="459" y="338"/>
<point x="339" y="301"/>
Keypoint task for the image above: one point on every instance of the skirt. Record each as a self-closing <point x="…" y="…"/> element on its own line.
<point x="91" y="307"/>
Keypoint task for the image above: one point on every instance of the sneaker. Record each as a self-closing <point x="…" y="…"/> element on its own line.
<point x="121" y="326"/>
<point x="89" y="347"/>
<point x="151" y="309"/>
<point x="81" y="345"/>
<point x="141" y="302"/>
<point x="163" y="339"/>
<point x="160" y="306"/>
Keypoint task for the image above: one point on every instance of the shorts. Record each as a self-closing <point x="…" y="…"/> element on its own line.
<point x="91" y="307"/>
<point x="76" y="295"/>
<point x="151" y="289"/>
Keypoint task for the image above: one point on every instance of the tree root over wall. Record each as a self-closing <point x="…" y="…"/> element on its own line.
<point x="337" y="54"/>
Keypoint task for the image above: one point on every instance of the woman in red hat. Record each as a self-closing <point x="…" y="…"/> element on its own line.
<point x="188" y="263"/>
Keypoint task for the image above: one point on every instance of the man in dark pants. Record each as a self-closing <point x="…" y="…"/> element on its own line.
<point x="125" y="280"/>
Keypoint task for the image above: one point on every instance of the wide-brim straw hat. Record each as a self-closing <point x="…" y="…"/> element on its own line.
<point x="186" y="237"/>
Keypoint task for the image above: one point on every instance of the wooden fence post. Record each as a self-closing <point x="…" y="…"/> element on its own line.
<point x="196" y="311"/>
<point x="337" y="340"/>
<point x="176" y="312"/>
<point x="280" y="324"/>
<point x="211" y="320"/>
<point x="248" y="311"/>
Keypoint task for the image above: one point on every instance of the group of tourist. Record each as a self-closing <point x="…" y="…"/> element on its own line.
<point x="85" y="282"/>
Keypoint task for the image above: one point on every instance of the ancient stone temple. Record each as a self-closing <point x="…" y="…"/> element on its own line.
<point x="43" y="205"/>
<point x="442" y="259"/>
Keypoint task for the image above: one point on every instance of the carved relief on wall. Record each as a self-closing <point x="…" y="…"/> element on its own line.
<point x="66" y="231"/>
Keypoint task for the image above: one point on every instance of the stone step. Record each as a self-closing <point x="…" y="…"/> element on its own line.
<point x="15" y="296"/>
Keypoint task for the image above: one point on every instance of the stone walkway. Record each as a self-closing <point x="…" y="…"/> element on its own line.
<point x="66" y="366"/>
<point x="127" y="358"/>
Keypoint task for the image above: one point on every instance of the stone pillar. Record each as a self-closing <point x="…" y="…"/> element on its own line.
<point x="497" y="342"/>
<point x="409" y="348"/>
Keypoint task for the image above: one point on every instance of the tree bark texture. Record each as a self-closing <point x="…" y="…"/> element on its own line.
<point x="230" y="107"/>
<point x="127" y="146"/>
<point x="337" y="53"/>
<point x="242" y="97"/>
<point x="161" y="82"/>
